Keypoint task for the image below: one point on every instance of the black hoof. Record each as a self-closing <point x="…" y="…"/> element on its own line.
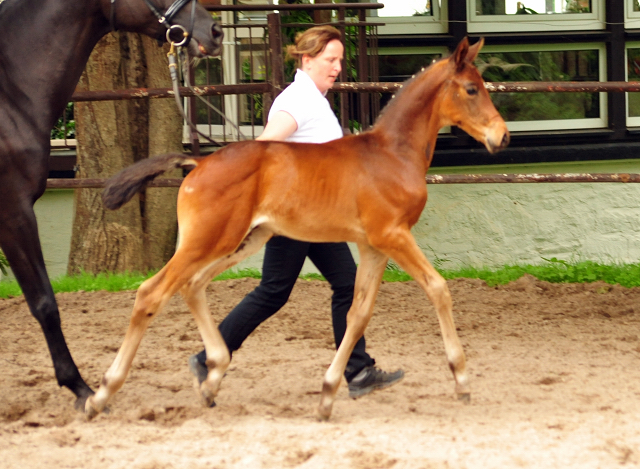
<point x="79" y="404"/>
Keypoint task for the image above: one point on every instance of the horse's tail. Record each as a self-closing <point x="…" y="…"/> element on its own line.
<point x="120" y="188"/>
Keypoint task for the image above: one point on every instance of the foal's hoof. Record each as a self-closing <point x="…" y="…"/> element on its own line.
<point x="89" y="411"/>
<point x="464" y="397"/>
<point x="208" y="398"/>
<point x="324" y="413"/>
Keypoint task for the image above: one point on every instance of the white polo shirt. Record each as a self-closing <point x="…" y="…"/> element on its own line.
<point x="311" y="110"/>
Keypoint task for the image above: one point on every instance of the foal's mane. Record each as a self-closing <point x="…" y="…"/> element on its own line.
<point x="395" y="98"/>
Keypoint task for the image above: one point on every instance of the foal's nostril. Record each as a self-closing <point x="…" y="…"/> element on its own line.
<point x="505" y="140"/>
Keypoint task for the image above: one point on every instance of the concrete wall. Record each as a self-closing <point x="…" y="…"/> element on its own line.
<point x="475" y="225"/>
<point x="497" y="224"/>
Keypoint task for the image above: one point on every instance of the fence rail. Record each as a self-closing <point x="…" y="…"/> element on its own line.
<point x="97" y="183"/>
<point x="354" y="87"/>
<point x="360" y="87"/>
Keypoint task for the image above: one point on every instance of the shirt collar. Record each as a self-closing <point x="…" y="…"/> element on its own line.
<point x="302" y="76"/>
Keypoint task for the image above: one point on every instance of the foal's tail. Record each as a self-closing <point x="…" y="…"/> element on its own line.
<point x="120" y="188"/>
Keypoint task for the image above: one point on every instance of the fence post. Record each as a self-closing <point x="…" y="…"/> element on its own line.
<point x="344" y="99"/>
<point x="277" y="60"/>
<point x="193" y="115"/>
<point x="363" y="70"/>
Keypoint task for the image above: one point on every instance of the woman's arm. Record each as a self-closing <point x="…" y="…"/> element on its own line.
<point x="280" y="126"/>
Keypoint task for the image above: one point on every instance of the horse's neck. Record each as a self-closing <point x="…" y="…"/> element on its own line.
<point x="410" y="122"/>
<point x="44" y="47"/>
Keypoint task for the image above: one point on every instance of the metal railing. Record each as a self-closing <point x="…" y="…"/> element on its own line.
<point x="357" y="99"/>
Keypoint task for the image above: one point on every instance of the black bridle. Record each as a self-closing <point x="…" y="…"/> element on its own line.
<point x="176" y="34"/>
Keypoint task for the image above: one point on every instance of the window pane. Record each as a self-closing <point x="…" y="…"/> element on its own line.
<point x="398" y="68"/>
<point x="636" y="5"/>
<point x="634" y="75"/>
<point x="571" y="65"/>
<point x="405" y="8"/>
<point x="208" y="72"/>
<point x="531" y="7"/>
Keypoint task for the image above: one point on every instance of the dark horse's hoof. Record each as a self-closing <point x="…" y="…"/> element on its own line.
<point x="82" y="399"/>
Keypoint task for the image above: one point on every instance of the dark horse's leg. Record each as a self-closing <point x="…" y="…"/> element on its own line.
<point x="20" y="242"/>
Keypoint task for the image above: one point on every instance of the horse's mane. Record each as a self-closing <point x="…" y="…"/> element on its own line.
<point x="406" y="84"/>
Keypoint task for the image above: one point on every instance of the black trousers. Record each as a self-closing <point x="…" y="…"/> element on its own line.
<point x="282" y="264"/>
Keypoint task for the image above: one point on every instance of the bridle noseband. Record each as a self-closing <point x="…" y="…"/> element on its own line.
<point x="176" y="34"/>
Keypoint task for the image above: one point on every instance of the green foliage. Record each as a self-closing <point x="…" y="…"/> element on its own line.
<point x="4" y="263"/>
<point x="552" y="270"/>
<point x="253" y="100"/>
<point x="556" y="271"/>
<point x="208" y="71"/>
<point x="110" y="281"/>
<point x="289" y="35"/>
<point x="575" y="6"/>
<point x="64" y="129"/>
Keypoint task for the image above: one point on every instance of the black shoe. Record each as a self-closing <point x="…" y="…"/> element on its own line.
<point x="198" y="369"/>
<point x="370" y="379"/>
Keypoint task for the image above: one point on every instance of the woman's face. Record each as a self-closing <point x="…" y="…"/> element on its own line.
<point x="325" y="67"/>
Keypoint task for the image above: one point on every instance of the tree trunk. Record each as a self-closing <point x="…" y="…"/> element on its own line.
<point x="112" y="135"/>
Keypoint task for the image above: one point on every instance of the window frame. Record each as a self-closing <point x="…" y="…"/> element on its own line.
<point x="438" y="23"/>
<point x="631" y="18"/>
<point x="594" y="21"/>
<point x="560" y="124"/>
<point x="631" y="121"/>
<point x="419" y="50"/>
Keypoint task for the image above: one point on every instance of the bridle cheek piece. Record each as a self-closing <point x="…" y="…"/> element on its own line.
<point x="176" y="34"/>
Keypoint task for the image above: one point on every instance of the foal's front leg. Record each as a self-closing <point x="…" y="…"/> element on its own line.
<point x="406" y="252"/>
<point x="368" y="278"/>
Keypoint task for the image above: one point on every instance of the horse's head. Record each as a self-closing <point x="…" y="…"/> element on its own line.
<point x="466" y="103"/>
<point x="184" y="22"/>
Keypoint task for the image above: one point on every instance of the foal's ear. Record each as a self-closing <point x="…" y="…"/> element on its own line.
<point x="474" y="49"/>
<point x="461" y="53"/>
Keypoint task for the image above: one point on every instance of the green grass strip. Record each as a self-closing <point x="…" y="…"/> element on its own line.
<point x="552" y="270"/>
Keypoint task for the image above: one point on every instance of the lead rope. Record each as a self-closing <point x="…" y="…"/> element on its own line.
<point x="174" y="72"/>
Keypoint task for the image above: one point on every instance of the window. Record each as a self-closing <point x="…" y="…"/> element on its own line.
<point x="632" y="13"/>
<point x="633" y="74"/>
<point x="244" y="60"/>
<point x="543" y="62"/>
<point x="398" y="64"/>
<point x="411" y="16"/>
<point x="535" y="15"/>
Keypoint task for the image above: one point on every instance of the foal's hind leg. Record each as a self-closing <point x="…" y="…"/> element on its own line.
<point x="218" y="357"/>
<point x="368" y="278"/>
<point x="408" y="255"/>
<point x="20" y="243"/>
<point x="152" y="295"/>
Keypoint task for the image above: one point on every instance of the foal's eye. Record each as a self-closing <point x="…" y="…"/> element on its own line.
<point x="472" y="90"/>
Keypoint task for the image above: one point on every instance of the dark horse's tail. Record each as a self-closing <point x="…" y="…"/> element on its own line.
<point x="120" y="188"/>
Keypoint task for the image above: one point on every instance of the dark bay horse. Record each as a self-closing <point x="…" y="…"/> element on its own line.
<point x="44" y="47"/>
<point x="368" y="188"/>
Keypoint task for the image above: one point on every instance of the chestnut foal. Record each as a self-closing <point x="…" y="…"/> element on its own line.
<point x="368" y="188"/>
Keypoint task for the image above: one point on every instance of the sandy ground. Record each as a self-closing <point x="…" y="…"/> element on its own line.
<point x="555" y="368"/>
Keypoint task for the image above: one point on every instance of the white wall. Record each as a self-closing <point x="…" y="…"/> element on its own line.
<point x="475" y="224"/>
<point x="497" y="224"/>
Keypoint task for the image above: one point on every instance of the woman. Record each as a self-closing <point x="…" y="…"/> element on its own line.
<point x="301" y="113"/>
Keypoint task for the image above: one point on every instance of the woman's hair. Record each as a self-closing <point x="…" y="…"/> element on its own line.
<point x="312" y="42"/>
